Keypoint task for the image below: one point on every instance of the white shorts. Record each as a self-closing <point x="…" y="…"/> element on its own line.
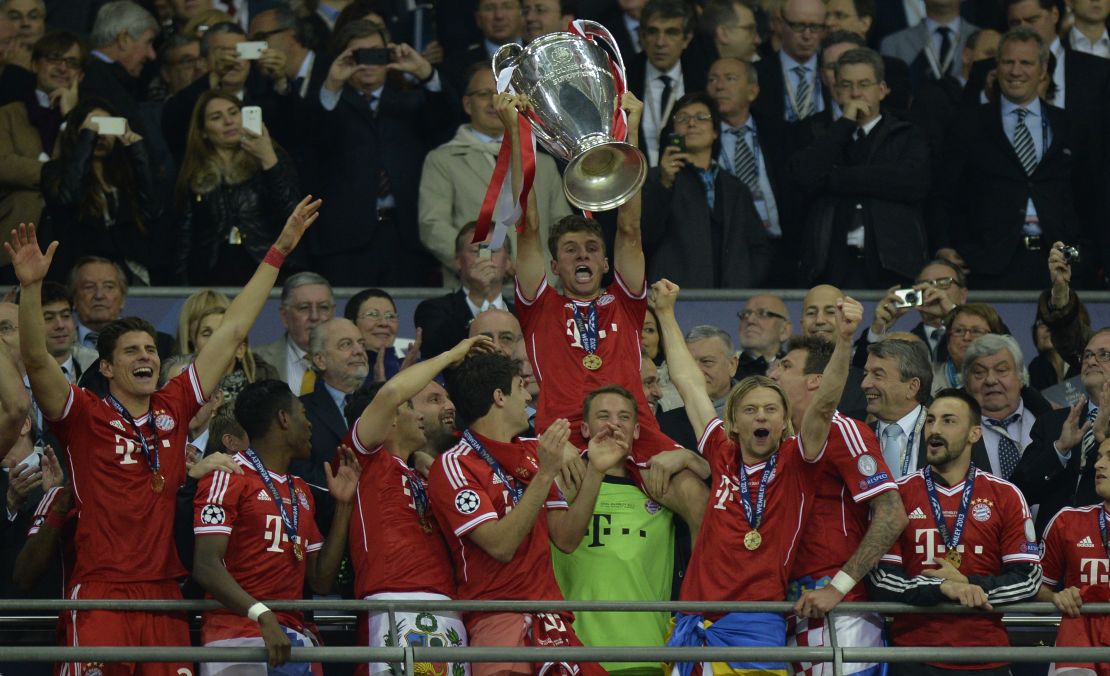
<point x="425" y="628"/>
<point x="856" y="630"/>
<point x="298" y="640"/>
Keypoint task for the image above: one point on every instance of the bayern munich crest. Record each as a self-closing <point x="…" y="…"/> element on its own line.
<point x="302" y="499"/>
<point x="164" y="422"/>
<point x="467" y="502"/>
<point x="651" y="507"/>
<point x="605" y="299"/>
<point x="981" y="510"/>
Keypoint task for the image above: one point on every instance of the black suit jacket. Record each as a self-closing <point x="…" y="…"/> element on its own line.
<point x="676" y="425"/>
<point x="891" y="185"/>
<point x="328" y="428"/>
<point x="109" y="81"/>
<point x="693" y="80"/>
<point x="613" y="19"/>
<point x="445" y="321"/>
<point x="1044" y="481"/>
<point x="982" y="197"/>
<point x="859" y="357"/>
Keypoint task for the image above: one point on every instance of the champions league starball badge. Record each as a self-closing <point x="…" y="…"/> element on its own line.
<point x="467" y="502"/>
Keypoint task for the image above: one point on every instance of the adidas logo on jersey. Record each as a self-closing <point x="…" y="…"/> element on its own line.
<point x="118" y="425"/>
<point x="1086" y="542"/>
<point x="917" y="513"/>
<point x="264" y="496"/>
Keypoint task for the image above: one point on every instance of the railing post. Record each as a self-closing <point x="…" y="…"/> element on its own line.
<point x="410" y="669"/>
<point x="838" y="656"/>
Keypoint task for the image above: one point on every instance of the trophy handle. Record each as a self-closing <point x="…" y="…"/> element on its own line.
<point x="594" y="29"/>
<point x="507" y="56"/>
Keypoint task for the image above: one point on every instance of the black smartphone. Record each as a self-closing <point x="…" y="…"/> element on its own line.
<point x="677" y="140"/>
<point x="374" y="56"/>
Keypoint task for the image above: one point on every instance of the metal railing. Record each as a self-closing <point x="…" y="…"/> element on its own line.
<point x="404" y="657"/>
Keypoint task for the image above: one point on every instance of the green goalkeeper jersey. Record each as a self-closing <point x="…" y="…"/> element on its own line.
<point x="626" y="555"/>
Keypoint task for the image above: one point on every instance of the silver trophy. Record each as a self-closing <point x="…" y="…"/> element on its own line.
<point x="573" y="94"/>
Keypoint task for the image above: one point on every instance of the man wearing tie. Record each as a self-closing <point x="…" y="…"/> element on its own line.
<point x="306" y="300"/>
<point x="934" y="47"/>
<point x="791" y="86"/>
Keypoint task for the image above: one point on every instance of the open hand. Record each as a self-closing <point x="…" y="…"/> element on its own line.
<point x="304" y="215"/>
<point x="29" y="262"/>
<point x="343" y="481"/>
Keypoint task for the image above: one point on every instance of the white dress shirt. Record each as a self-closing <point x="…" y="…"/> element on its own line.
<point x="1082" y="43"/>
<point x="653" y="120"/>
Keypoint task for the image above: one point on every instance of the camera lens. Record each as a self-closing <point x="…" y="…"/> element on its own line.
<point x="911" y="298"/>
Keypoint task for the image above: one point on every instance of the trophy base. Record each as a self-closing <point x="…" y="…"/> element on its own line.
<point x="605" y="176"/>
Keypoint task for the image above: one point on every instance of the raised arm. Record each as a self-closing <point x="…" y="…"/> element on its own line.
<point x="684" y="372"/>
<point x="48" y="383"/>
<point x="212" y="361"/>
<point x="530" y="257"/>
<point x="628" y="249"/>
<point x="815" y="423"/>
<point x="377" y="417"/>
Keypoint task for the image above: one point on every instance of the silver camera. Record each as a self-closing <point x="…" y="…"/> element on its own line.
<point x="1071" y="255"/>
<point x="908" y="298"/>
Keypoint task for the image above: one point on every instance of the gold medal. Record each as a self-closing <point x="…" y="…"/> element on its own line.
<point x="753" y="540"/>
<point x="954" y="558"/>
<point x="157" y="482"/>
<point x="591" y="362"/>
<point x="297" y="551"/>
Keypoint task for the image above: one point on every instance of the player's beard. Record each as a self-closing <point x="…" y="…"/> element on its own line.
<point x="948" y="455"/>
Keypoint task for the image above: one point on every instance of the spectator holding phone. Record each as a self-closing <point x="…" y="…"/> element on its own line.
<point x="693" y="211"/>
<point x="233" y="192"/>
<point x="99" y="193"/>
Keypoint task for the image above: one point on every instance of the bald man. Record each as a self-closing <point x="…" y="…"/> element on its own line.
<point x="500" y="325"/>
<point x="819" y="320"/>
<point x="764" y="327"/>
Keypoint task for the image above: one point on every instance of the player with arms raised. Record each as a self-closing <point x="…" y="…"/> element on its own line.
<point x="126" y="452"/>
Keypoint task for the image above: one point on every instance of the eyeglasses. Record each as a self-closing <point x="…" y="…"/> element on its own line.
<point x="376" y="315"/>
<point x="963" y="332"/>
<point x="942" y="283"/>
<point x="800" y="27"/>
<point x="1103" y="356"/>
<point x="71" y="62"/>
<point x="683" y="118"/>
<point x="749" y="315"/>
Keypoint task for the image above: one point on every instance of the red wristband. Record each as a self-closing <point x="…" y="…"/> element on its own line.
<point x="274" y="257"/>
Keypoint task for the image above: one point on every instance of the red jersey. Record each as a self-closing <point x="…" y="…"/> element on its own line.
<point x="721" y="567"/>
<point x="998" y="531"/>
<point x="555" y="349"/>
<point x="853" y="472"/>
<point x="125" y="529"/>
<point x="259" y="555"/>
<point x="1074" y="553"/>
<point x="465" y="493"/>
<point x="390" y="548"/>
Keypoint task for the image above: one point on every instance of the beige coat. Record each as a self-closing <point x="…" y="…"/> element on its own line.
<point x="452" y="186"/>
<point x="20" y="168"/>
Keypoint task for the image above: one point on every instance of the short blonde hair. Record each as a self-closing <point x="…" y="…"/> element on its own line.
<point x="746" y="387"/>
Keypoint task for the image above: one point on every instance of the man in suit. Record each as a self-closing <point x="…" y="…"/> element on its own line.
<point x="712" y="349"/>
<point x="760" y="163"/>
<point x="121" y="41"/>
<point x="304" y="70"/>
<point x="897" y="381"/>
<point x="306" y="301"/>
<point x="455" y="176"/>
<point x="934" y="47"/>
<point x="61" y="333"/>
<point x="665" y="71"/>
<point x="792" y="89"/>
<point x="1057" y="467"/>
<point x="764" y="326"/>
<point x="857" y="16"/>
<point x="1008" y="181"/>
<point x="943" y="287"/>
<point x="868" y="175"/>
<point x="994" y="373"/>
<point x="730" y="26"/>
<point x="444" y="320"/>
<point x="546" y="16"/>
<point x="372" y="138"/>
<point x="339" y="360"/>
<point x="499" y="23"/>
<point x="30" y="128"/>
<point x="622" y="18"/>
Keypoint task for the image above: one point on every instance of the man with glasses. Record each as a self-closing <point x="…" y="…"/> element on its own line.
<point x="180" y="63"/>
<point x="306" y="300"/>
<point x="934" y="47"/>
<point x="868" y="176"/>
<point x="764" y="327"/>
<point x="30" y="128"/>
<point x="731" y="26"/>
<point x="857" y="16"/>
<point x="792" y="90"/>
<point x="943" y="288"/>
<point x="665" y="70"/>
<point x="545" y="16"/>
<point x="281" y="30"/>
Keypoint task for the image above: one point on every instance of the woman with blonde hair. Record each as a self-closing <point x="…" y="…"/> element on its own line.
<point x="248" y="367"/>
<point x="234" y="191"/>
<point x="195" y="305"/>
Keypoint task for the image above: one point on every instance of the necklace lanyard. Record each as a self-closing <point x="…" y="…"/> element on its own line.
<point x="1103" y="530"/>
<point x="907" y="451"/>
<point x="754" y="513"/>
<point x="515" y="490"/>
<point x="419" y="496"/>
<point x="940" y="69"/>
<point x="150" y="454"/>
<point x="587" y="326"/>
<point x="289" y="520"/>
<point x="950" y="542"/>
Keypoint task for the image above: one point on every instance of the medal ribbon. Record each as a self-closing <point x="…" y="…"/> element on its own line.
<point x="587" y="326"/>
<point x="288" y="521"/>
<point x="755" y="514"/>
<point x="938" y="513"/>
<point x="515" y="490"/>
<point x="1102" y="530"/>
<point x="419" y="493"/>
<point x="152" y="459"/>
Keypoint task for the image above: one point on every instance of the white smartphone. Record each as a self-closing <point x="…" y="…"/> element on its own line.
<point x="252" y="119"/>
<point x="251" y="50"/>
<point x="110" y="126"/>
